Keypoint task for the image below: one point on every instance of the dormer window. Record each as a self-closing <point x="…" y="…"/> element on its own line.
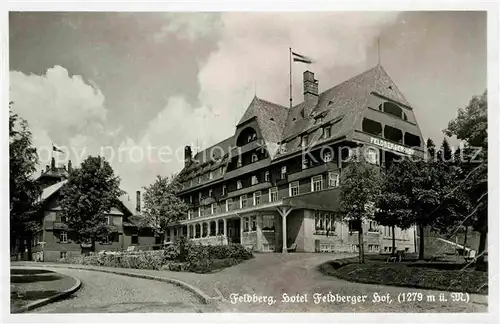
<point x="210" y="191"/>
<point x="255" y="158"/>
<point x="211" y="175"/>
<point x="267" y="176"/>
<point x="255" y="180"/>
<point x="238" y="184"/>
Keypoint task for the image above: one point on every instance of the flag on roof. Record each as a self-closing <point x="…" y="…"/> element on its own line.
<point x="55" y="149"/>
<point x="301" y="58"/>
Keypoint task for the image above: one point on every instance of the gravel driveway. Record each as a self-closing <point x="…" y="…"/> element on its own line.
<point x="110" y="293"/>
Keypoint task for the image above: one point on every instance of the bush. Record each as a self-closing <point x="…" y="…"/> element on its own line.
<point x="197" y="258"/>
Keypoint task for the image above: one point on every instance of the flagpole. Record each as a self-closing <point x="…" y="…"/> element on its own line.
<point x="290" y="54"/>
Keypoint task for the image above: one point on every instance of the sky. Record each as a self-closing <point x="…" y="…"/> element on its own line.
<point x="138" y="87"/>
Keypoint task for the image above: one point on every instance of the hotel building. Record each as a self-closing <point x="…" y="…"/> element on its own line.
<point x="274" y="185"/>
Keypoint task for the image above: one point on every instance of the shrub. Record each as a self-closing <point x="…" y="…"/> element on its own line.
<point x="197" y="257"/>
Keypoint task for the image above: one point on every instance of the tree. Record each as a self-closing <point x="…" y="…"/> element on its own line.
<point x="162" y="206"/>
<point x="471" y="126"/>
<point x="90" y="193"/>
<point x="24" y="191"/>
<point x="390" y="203"/>
<point x="414" y="193"/>
<point x="359" y="191"/>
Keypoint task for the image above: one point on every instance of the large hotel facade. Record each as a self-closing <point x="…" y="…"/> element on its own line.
<point x="274" y="184"/>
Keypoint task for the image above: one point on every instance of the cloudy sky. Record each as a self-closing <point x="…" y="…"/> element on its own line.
<point x="126" y="84"/>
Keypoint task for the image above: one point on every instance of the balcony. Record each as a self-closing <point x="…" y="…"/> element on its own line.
<point x="312" y="171"/>
<point x="246" y="169"/>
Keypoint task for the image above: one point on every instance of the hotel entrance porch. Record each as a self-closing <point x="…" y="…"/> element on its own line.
<point x="257" y="227"/>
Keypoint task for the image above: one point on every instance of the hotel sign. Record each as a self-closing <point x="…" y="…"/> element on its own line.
<point x="392" y="146"/>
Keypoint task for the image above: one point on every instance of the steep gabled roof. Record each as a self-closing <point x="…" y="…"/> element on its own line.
<point x="342" y="105"/>
<point x="271" y="118"/>
<point x="49" y="191"/>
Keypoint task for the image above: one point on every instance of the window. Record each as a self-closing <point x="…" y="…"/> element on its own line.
<point x="106" y="240"/>
<point x="224" y="188"/>
<point x="221" y="171"/>
<point x="392" y="109"/>
<point x="210" y="191"/>
<point x="135" y="239"/>
<point x="210" y="175"/>
<point x="63" y="219"/>
<point x="253" y="223"/>
<point x="238" y="184"/>
<point x="199" y="196"/>
<point x="199" y="179"/>
<point x="239" y="163"/>
<point x="317" y="183"/>
<point x="254" y="180"/>
<point x="333" y="179"/>
<point x="190" y="213"/>
<point x="213" y="209"/>
<point x="372" y="226"/>
<point x="294" y="188"/>
<point x="412" y="140"/>
<point x="393" y="134"/>
<point x="268" y="223"/>
<point x="327" y="156"/>
<point x="372" y="156"/>
<point x="229" y="204"/>
<point x="283" y="172"/>
<point x="304" y="140"/>
<point x="372" y="127"/>
<point x="324" y="223"/>
<point x="63" y="255"/>
<point x="109" y="220"/>
<point x="204" y="229"/>
<point x="199" y="211"/>
<point x="191" y="199"/>
<point x="354" y="225"/>
<point x="243" y="201"/>
<point x="373" y="248"/>
<point x="246" y="224"/>
<point x="257" y="198"/>
<point x="63" y="237"/>
<point x="267" y="176"/>
<point x="213" y="228"/>
<point x="202" y="211"/>
<point x="197" y="230"/>
<point x="327" y="131"/>
<point x="273" y="194"/>
<point x="255" y="158"/>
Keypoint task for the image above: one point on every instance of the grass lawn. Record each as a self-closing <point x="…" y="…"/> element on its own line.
<point x="29" y="285"/>
<point x="439" y="275"/>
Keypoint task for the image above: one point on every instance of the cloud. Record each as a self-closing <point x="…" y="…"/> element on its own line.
<point x="60" y="109"/>
<point x="190" y="26"/>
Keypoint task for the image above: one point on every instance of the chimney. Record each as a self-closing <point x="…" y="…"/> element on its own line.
<point x="53" y="164"/>
<point x="70" y="166"/>
<point x="310" y="92"/>
<point x="188" y="155"/>
<point x="138" y="201"/>
<point x="47" y="168"/>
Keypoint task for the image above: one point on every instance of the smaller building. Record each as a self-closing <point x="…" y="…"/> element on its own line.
<point x="57" y="241"/>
